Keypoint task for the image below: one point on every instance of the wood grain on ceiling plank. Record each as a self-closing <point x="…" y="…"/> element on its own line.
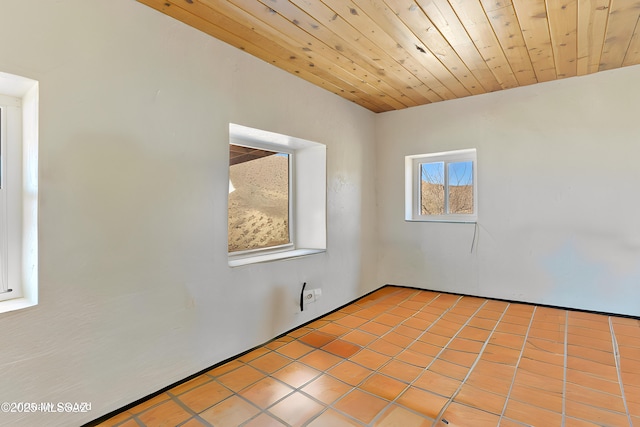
<point x="392" y="54"/>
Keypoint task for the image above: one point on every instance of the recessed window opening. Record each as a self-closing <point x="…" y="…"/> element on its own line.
<point x="277" y="196"/>
<point x="441" y="187"/>
<point x="18" y="192"/>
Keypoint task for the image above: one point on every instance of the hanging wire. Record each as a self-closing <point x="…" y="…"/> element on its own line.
<point x="475" y="232"/>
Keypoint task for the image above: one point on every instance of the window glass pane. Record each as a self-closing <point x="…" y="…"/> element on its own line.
<point x="460" y="187"/>
<point x="432" y="188"/>
<point x="258" y="198"/>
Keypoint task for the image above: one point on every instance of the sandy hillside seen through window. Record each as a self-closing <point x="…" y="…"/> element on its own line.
<point x="259" y="203"/>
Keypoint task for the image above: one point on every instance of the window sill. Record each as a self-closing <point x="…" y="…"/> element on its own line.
<point x="254" y="259"/>
<point x="16" y="304"/>
<point x="447" y="220"/>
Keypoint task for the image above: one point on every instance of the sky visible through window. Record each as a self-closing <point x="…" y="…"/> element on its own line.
<point x="460" y="173"/>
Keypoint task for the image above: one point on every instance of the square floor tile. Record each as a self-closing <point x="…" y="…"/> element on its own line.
<point x="294" y="350"/>
<point x="370" y="359"/>
<point x="316" y="339"/>
<point x="351" y="321"/>
<point x="532" y="380"/>
<point x="383" y="386"/>
<point x="341" y="348"/>
<point x="349" y="372"/>
<point x="499" y="354"/>
<point x="481" y="399"/>
<point x="231" y="412"/>
<point x="375" y="328"/>
<point x="461" y="358"/>
<point x="595" y="398"/>
<point x="327" y="389"/>
<point x="494" y="370"/>
<point x="266" y="392"/>
<point x="204" y="396"/>
<point x="389" y="319"/>
<point x="360" y="405"/>
<point x="507" y="340"/>
<point x="359" y="337"/>
<point x="398" y="339"/>
<point x="320" y="359"/>
<point x="166" y="414"/>
<point x="296" y="409"/>
<point x="296" y="374"/>
<point x="240" y="378"/>
<point x="401" y="371"/>
<point x="449" y="369"/>
<point x="270" y="362"/>
<point x="544" y="399"/>
<point x="421" y="401"/>
<point x="334" y="329"/>
<point x="432" y="381"/>
<point x="413" y="358"/>
<point x="596" y="415"/>
<point x="397" y="416"/>
<point x="385" y="347"/>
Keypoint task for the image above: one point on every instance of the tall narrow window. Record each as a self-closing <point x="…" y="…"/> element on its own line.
<point x="18" y="192"/>
<point x="10" y="200"/>
<point x="441" y="187"/>
<point x="259" y="198"/>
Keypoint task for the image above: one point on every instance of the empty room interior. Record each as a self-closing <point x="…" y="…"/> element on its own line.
<point x="320" y="213"/>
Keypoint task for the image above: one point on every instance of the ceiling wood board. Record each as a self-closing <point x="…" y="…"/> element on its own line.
<point x="392" y="54"/>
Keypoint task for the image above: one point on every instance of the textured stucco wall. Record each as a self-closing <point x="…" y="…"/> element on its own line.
<point x="135" y="290"/>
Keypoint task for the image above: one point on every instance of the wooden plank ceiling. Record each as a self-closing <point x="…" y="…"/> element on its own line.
<point x="391" y="54"/>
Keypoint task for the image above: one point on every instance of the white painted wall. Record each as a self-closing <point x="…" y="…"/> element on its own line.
<point x="558" y="196"/>
<point x="135" y="290"/>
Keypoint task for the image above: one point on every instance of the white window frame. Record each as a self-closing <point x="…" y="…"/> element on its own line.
<point x="307" y="194"/>
<point x="413" y="178"/>
<point x="19" y="193"/>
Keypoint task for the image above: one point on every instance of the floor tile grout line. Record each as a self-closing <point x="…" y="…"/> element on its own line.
<point x="391" y="402"/>
<point x="373" y="371"/>
<point x="135" y="418"/>
<point x="410" y="384"/>
<point x="394" y="328"/>
<point x="187" y="408"/>
<point x="473" y="365"/>
<point x="515" y="370"/>
<point x="392" y="358"/>
<point x="414" y="340"/>
<point x="564" y="371"/>
<point x="616" y="356"/>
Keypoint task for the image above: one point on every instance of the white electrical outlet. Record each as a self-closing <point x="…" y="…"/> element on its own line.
<point x="308" y="296"/>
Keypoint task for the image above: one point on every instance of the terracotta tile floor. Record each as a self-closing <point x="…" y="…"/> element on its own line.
<point x="403" y="357"/>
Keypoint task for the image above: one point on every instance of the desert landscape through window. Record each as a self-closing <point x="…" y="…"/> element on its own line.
<point x="259" y="202"/>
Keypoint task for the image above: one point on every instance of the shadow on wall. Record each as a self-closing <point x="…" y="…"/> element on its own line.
<point x="280" y="311"/>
